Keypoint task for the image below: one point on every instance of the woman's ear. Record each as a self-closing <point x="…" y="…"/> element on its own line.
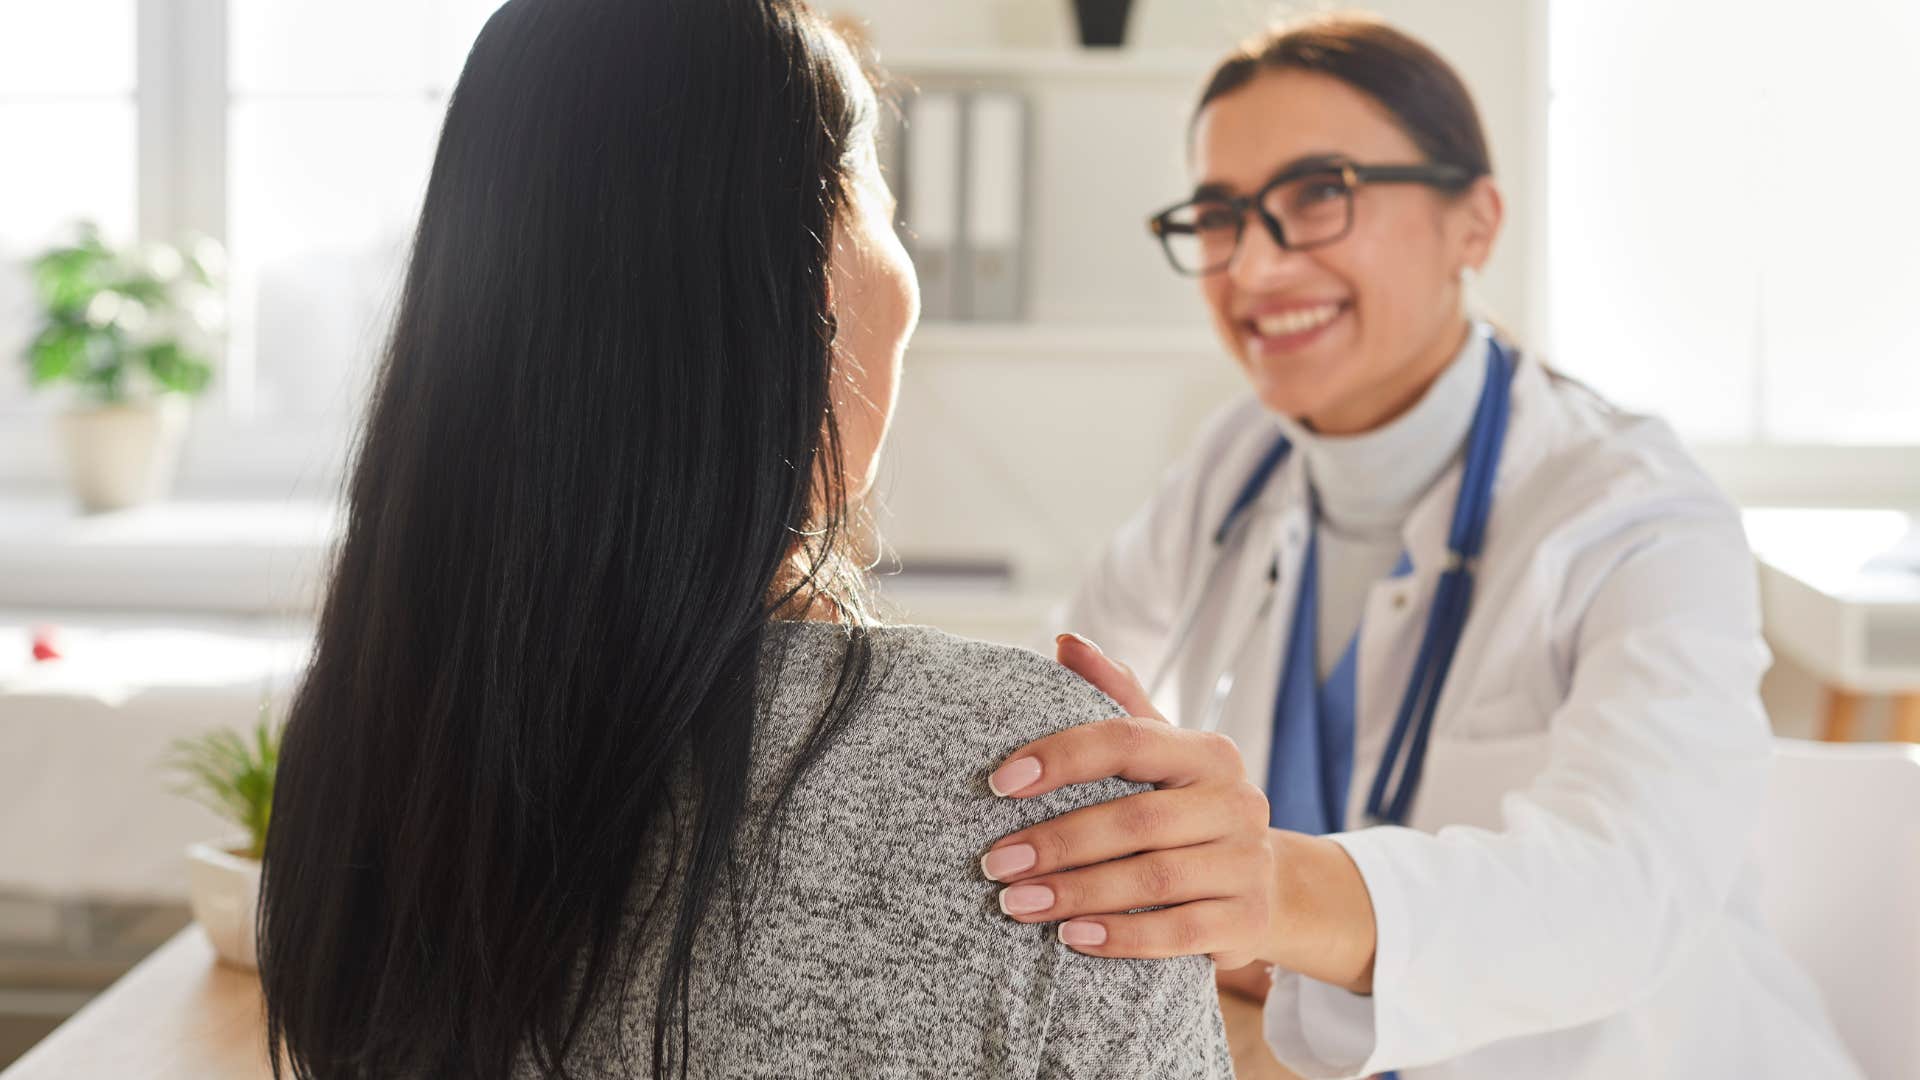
<point x="1481" y="210"/>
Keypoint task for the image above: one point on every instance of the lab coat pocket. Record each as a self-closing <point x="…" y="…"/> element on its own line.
<point x="1495" y="748"/>
<point x="1507" y="715"/>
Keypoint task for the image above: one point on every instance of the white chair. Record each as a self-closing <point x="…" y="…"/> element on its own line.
<point x="1841" y="851"/>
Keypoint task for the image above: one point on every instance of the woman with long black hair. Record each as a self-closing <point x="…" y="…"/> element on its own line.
<point x="583" y="775"/>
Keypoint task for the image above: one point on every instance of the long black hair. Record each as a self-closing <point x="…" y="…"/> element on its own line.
<point x="600" y="457"/>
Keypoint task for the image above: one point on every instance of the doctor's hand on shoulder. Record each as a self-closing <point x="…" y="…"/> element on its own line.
<point x="1197" y="848"/>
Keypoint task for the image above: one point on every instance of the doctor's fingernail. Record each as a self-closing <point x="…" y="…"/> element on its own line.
<point x="1007" y="861"/>
<point x="1088" y="642"/>
<point x="1025" y="899"/>
<point x="1083" y="933"/>
<point x="1014" y="775"/>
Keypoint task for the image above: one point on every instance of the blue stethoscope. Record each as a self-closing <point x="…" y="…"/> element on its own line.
<point x="1388" y="801"/>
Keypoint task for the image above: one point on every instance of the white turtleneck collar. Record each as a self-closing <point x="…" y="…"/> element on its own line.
<point x="1369" y="483"/>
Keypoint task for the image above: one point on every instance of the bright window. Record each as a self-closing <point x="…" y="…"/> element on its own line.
<point x="319" y="118"/>
<point x="333" y="111"/>
<point x="1734" y="235"/>
<point x="67" y="131"/>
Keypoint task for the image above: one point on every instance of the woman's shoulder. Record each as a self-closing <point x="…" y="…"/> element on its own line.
<point x="937" y="714"/>
<point x="882" y="915"/>
<point x="976" y="688"/>
<point x="926" y="666"/>
<point x="991" y="699"/>
<point x="969" y="702"/>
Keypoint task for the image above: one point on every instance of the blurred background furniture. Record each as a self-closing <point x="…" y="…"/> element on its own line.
<point x="1840" y="848"/>
<point x="1842" y="594"/>
<point x="90" y="811"/>
<point x="92" y="853"/>
<point x="178" y="1015"/>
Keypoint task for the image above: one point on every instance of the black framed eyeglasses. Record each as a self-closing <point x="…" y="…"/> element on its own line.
<point x="1307" y="206"/>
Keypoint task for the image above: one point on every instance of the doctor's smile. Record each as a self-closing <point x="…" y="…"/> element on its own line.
<point x="1279" y="328"/>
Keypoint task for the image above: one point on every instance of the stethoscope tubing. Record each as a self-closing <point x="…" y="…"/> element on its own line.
<point x="1407" y="743"/>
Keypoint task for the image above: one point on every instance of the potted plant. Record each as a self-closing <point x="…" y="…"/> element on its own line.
<point x="126" y="330"/>
<point x="232" y="775"/>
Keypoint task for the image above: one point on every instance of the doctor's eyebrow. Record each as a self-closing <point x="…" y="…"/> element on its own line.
<point x="1306" y="163"/>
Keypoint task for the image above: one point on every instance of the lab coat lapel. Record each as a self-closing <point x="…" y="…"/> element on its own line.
<point x="1255" y="648"/>
<point x="1390" y="630"/>
<point x="1398" y="607"/>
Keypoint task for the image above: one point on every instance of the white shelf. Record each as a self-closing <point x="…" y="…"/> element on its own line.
<point x="1841" y="591"/>
<point x="1126" y="64"/>
<point x="1064" y="340"/>
<point x="245" y="557"/>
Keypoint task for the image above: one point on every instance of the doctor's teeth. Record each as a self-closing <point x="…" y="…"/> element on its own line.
<point x="1294" y="322"/>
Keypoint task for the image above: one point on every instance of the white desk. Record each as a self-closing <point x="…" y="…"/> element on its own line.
<point x="179" y="1014"/>
<point x="1842" y="595"/>
<point x="88" y="810"/>
<point x="236" y="557"/>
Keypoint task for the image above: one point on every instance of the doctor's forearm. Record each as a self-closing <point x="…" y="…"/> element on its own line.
<point x="1322" y="925"/>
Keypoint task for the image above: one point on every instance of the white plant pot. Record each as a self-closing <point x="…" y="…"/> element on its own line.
<point x="123" y="455"/>
<point x="224" y="890"/>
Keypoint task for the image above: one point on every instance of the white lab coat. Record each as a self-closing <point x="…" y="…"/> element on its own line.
<point x="1574" y="895"/>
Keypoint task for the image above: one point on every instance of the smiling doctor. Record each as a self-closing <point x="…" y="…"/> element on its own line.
<point x="1463" y="662"/>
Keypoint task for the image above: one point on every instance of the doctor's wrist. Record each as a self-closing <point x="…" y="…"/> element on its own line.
<point x="1322" y="920"/>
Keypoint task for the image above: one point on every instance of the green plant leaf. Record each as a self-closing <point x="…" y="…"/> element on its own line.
<point x="104" y="374"/>
<point x="69" y="278"/>
<point x="196" y="271"/>
<point x="56" y="353"/>
<point x="176" y="369"/>
<point x="143" y="287"/>
<point x="72" y="279"/>
<point x="232" y="776"/>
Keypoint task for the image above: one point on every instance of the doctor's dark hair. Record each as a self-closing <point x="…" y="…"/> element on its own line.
<point x="1416" y="85"/>
<point x="600" y="457"/>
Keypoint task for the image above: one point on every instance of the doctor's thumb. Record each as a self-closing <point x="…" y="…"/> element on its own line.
<point x="1110" y="676"/>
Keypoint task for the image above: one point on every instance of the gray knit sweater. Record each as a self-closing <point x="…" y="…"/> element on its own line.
<point x="875" y="948"/>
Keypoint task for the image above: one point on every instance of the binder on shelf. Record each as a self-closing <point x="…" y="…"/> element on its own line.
<point x="992" y="271"/>
<point x="932" y="199"/>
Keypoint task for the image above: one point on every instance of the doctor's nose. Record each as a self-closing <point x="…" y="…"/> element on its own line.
<point x="1260" y="261"/>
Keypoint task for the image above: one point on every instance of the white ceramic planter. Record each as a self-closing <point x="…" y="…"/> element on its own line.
<point x="123" y="455"/>
<point x="224" y="890"/>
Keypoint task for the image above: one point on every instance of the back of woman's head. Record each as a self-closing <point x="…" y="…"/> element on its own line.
<point x="601" y="453"/>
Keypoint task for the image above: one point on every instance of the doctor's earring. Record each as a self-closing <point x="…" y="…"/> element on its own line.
<point x="1469" y="293"/>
